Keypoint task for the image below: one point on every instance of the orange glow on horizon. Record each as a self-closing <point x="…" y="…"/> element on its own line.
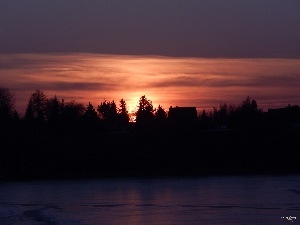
<point x="167" y="81"/>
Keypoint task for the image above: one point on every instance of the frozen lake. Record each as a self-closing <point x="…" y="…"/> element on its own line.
<point x="208" y="200"/>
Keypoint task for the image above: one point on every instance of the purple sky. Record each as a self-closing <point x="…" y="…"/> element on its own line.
<point x="194" y="28"/>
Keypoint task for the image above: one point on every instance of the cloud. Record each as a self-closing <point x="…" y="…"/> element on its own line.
<point x="223" y="81"/>
<point x="165" y="80"/>
<point x="64" y="86"/>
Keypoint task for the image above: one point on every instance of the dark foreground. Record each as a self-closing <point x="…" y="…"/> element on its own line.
<point x="36" y="154"/>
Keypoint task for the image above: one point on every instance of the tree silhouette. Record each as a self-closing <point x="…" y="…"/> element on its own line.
<point x="221" y="116"/>
<point x="29" y="115"/>
<point x="249" y="105"/>
<point x="108" y="110"/>
<point x="112" y="112"/>
<point x="71" y="111"/>
<point x="90" y="119"/>
<point x="145" y="113"/>
<point x="205" y="120"/>
<point x="247" y="114"/>
<point x="36" y="108"/>
<point x="90" y="112"/>
<point x="160" y="115"/>
<point x="53" y="110"/>
<point x="123" y="113"/>
<point x="103" y="109"/>
<point x="6" y="104"/>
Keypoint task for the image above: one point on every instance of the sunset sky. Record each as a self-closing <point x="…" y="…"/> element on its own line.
<point x="177" y="52"/>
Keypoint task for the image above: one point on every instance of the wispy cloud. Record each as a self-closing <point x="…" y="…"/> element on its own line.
<point x="165" y="80"/>
<point x="64" y="86"/>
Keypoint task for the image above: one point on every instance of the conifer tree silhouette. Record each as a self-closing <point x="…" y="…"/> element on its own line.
<point x="145" y="113"/>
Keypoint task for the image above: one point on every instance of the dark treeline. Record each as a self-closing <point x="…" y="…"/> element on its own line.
<point x="58" y="139"/>
<point x="111" y="116"/>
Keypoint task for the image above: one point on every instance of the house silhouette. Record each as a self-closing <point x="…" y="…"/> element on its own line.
<point x="182" y="115"/>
